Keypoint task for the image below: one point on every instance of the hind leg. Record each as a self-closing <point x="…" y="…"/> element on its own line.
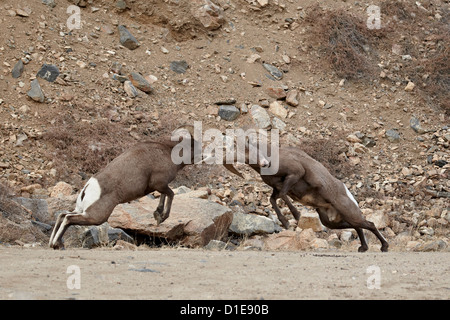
<point x="281" y="217"/>
<point x="162" y="211"/>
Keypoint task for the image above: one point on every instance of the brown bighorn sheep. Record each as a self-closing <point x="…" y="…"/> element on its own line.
<point x="307" y="181"/>
<point x="144" y="168"/>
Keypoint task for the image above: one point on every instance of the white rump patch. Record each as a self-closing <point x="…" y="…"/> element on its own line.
<point x="350" y="195"/>
<point x="90" y="194"/>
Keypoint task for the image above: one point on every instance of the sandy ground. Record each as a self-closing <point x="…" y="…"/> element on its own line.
<point x="198" y="274"/>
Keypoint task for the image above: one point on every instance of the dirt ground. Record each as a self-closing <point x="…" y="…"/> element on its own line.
<point x="199" y="274"/>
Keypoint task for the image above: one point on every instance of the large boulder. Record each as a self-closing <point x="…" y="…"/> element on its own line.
<point x="192" y="222"/>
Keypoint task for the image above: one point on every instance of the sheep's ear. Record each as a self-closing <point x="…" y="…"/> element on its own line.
<point x="232" y="169"/>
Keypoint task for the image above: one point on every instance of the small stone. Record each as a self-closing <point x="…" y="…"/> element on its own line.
<point x="276" y="93"/>
<point x="278" y="110"/>
<point x="179" y="66"/>
<point x="127" y="39"/>
<point x="410" y="86"/>
<point x="17" y="70"/>
<point x="274" y="71"/>
<point x="22" y="13"/>
<point x="228" y="112"/>
<point x="50" y="3"/>
<point x="121" y="5"/>
<point x="392" y="135"/>
<point x="414" y="123"/>
<point x="278" y="124"/>
<point x="35" y="92"/>
<point x="48" y="72"/>
<point x="210" y="15"/>
<point x="260" y="117"/>
<point x="139" y="82"/>
<point x="254" y="57"/>
<point x="61" y="189"/>
<point x="130" y="90"/>
<point x="353" y="138"/>
<point x="291" y="98"/>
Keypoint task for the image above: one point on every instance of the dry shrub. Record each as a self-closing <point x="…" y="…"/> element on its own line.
<point x="329" y="153"/>
<point x="346" y="43"/>
<point x="88" y="146"/>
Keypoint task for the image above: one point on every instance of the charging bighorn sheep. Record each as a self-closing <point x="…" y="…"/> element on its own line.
<point x="142" y="169"/>
<point x="307" y="181"/>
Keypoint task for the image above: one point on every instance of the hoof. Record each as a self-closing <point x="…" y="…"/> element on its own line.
<point x="363" y="249"/>
<point x="157" y="216"/>
<point x="384" y="248"/>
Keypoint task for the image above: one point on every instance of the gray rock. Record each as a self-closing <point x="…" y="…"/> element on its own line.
<point x="50" y="3"/>
<point x="140" y="82"/>
<point x="35" y="92"/>
<point x="17" y="70"/>
<point x="274" y="71"/>
<point x="392" y="135"/>
<point x="127" y="39"/>
<point x="95" y="236"/>
<point x="179" y="66"/>
<point x="48" y="72"/>
<point x="414" y="123"/>
<point x="260" y="116"/>
<point x="38" y="208"/>
<point x="250" y="224"/>
<point x="228" y="112"/>
<point x="121" y="5"/>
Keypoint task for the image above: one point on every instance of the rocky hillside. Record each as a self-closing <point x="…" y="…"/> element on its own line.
<point x="371" y="104"/>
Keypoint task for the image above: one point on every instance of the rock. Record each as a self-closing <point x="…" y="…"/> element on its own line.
<point x="228" y="112"/>
<point x="277" y="109"/>
<point x="346" y="235"/>
<point x="121" y="5"/>
<point x="139" y="82"/>
<point x="414" y="123"/>
<point x="274" y="71"/>
<point x="23" y="13"/>
<point x="37" y="207"/>
<point x="127" y="39"/>
<point x="95" y="236"/>
<point x="276" y="93"/>
<point x="437" y="245"/>
<point x="410" y="86"/>
<point x="319" y="244"/>
<point x="392" y="135"/>
<point x="263" y="3"/>
<point x="310" y="219"/>
<point x="48" y="72"/>
<point x="278" y="124"/>
<point x="35" y="92"/>
<point x="260" y="117"/>
<point x="250" y="224"/>
<point x="17" y="70"/>
<point x="378" y="217"/>
<point x="130" y="90"/>
<point x="253" y="58"/>
<point x="192" y="221"/>
<point x="179" y="66"/>
<point x="291" y="98"/>
<point x="211" y="16"/>
<point x="50" y="3"/>
<point x="61" y="189"/>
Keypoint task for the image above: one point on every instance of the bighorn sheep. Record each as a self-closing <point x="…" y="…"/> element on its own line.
<point x="307" y="181"/>
<point x="142" y="169"/>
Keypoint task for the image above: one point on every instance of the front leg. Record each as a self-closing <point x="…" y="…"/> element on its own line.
<point x="157" y="214"/>
<point x="288" y="183"/>
<point x="281" y="217"/>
